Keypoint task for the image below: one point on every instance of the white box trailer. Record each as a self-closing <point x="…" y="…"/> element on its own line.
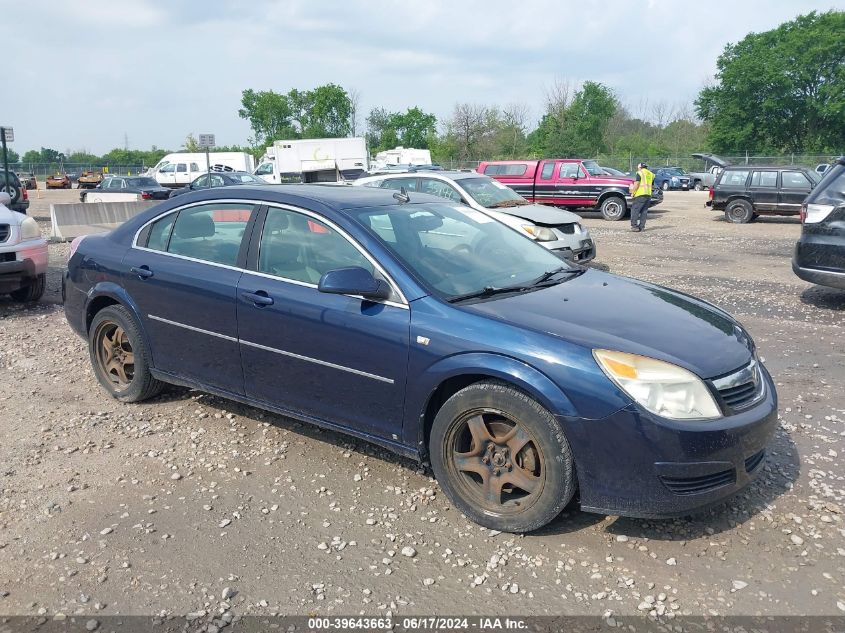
<point x="402" y="156"/>
<point x="180" y="168"/>
<point x="314" y="160"/>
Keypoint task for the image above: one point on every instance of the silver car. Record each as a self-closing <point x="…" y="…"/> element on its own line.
<point x="558" y="230"/>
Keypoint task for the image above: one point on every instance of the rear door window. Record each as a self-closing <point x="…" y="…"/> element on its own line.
<point x="410" y="184"/>
<point x="439" y="188"/>
<point x="735" y="177"/>
<point x="181" y="168"/>
<point x="548" y="170"/>
<point x="764" y="179"/>
<point x="208" y="232"/>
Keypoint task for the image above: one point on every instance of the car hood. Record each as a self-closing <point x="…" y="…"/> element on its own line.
<point x="603" y="311"/>
<point x="13" y="218"/>
<point x="540" y="214"/>
<point x="712" y="158"/>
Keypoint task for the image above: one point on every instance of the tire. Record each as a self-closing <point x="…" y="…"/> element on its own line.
<point x="613" y="208"/>
<point x="665" y="185"/>
<point x="739" y="212"/>
<point x="33" y="292"/>
<point x="698" y="186"/>
<point x="113" y="339"/>
<point x="483" y="483"/>
<point x="14" y="191"/>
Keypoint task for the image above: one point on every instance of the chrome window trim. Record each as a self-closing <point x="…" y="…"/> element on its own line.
<point x="317" y="361"/>
<point x="257" y="203"/>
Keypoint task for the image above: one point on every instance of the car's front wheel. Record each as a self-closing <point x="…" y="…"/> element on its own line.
<point x="502" y="458"/>
<point x="665" y="185"/>
<point x="739" y="212"/>
<point x="119" y="356"/>
<point x="32" y="292"/>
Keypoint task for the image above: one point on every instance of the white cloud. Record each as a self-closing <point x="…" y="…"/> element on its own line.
<point x="159" y="70"/>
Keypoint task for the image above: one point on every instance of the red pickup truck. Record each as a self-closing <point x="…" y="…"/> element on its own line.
<point x="567" y="182"/>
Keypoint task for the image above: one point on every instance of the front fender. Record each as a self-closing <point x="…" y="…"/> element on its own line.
<point x="510" y="370"/>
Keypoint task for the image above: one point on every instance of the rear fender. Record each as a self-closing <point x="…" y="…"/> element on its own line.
<point x="108" y="290"/>
<point x="491" y="366"/>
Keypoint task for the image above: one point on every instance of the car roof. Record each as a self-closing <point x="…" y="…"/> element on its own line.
<point x="768" y="167"/>
<point x="336" y="197"/>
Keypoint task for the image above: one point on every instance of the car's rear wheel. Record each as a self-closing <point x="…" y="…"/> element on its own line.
<point x="33" y="292"/>
<point x="613" y="208"/>
<point x="501" y="458"/>
<point x="739" y="212"/>
<point x="698" y="186"/>
<point x="119" y="356"/>
<point x="13" y="190"/>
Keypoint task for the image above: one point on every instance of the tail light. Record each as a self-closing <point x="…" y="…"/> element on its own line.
<point x="710" y="193"/>
<point x="74" y="245"/>
<point x="146" y="195"/>
<point x="24" y="194"/>
<point x="803" y="213"/>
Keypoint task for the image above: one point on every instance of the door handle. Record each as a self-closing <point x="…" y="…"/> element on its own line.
<point x="259" y="298"/>
<point x="143" y="272"/>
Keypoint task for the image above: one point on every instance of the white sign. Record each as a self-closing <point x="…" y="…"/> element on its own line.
<point x="10" y="134"/>
<point x="206" y="141"/>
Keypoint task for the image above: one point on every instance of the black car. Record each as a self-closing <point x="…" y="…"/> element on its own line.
<point x="745" y="191"/>
<point x="10" y="183"/>
<point x="220" y="179"/>
<point x="820" y="253"/>
<point x="147" y="188"/>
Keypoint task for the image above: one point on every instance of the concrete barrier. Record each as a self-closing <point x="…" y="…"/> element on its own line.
<point x="86" y="218"/>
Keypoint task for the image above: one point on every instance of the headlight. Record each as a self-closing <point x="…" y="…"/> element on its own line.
<point x="662" y="388"/>
<point x="539" y="233"/>
<point x="29" y="229"/>
<point x="675" y="180"/>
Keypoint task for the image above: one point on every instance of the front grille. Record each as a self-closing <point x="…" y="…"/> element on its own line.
<point x="568" y="229"/>
<point x="7" y="257"/>
<point x="755" y="461"/>
<point x="742" y="388"/>
<point x="4" y="232"/>
<point x="701" y="484"/>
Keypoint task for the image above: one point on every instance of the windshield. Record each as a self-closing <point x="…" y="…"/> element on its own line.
<point x="489" y="193"/>
<point x="246" y="178"/>
<point x="675" y="171"/>
<point x="593" y="168"/>
<point x="457" y="250"/>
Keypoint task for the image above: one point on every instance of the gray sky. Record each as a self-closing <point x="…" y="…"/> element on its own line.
<point x="89" y="71"/>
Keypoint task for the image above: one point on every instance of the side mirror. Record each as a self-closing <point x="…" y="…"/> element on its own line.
<point x="353" y="281"/>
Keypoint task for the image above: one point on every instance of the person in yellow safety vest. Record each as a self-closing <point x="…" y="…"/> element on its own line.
<point x="641" y="190"/>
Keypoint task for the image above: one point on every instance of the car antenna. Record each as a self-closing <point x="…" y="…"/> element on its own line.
<point x="402" y="195"/>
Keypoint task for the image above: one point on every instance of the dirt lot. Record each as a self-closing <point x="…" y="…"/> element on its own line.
<point x="191" y="503"/>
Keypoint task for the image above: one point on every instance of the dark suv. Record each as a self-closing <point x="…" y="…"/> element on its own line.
<point x="745" y="191"/>
<point x="820" y="253"/>
<point x="16" y="190"/>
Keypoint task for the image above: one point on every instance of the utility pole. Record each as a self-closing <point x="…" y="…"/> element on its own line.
<point x="6" y="134"/>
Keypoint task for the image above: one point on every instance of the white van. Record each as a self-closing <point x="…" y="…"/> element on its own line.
<point x="179" y="169"/>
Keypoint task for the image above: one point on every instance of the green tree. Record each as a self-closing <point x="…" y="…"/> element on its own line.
<point x="580" y="128"/>
<point x="191" y="144"/>
<point x="11" y="155"/>
<point x="412" y="128"/>
<point x="31" y="156"/>
<point x="783" y="89"/>
<point x="327" y="112"/>
<point x="269" y="115"/>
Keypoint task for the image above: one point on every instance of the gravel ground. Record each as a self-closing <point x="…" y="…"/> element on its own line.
<point x="193" y="504"/>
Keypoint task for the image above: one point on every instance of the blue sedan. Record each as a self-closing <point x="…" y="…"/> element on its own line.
<point x="433" y="330"/>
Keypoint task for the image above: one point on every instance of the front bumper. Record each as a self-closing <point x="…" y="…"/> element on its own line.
<point x="636" y="464"/>
<point x="30" y="261"/>
<point x="582" y="253"/>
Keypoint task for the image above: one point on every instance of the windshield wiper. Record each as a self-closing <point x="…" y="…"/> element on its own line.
<point x="547" y="276"/>
<point x="487" y="291"/>
<point x="507" y="203"/>
<point x="542" y="281"/>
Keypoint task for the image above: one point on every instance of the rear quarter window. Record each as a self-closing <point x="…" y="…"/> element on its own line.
<point x="506" y="170"/>
<point x="734" y="177"/>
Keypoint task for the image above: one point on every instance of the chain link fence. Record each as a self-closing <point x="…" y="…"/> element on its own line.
<point x="43" y="170"/>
